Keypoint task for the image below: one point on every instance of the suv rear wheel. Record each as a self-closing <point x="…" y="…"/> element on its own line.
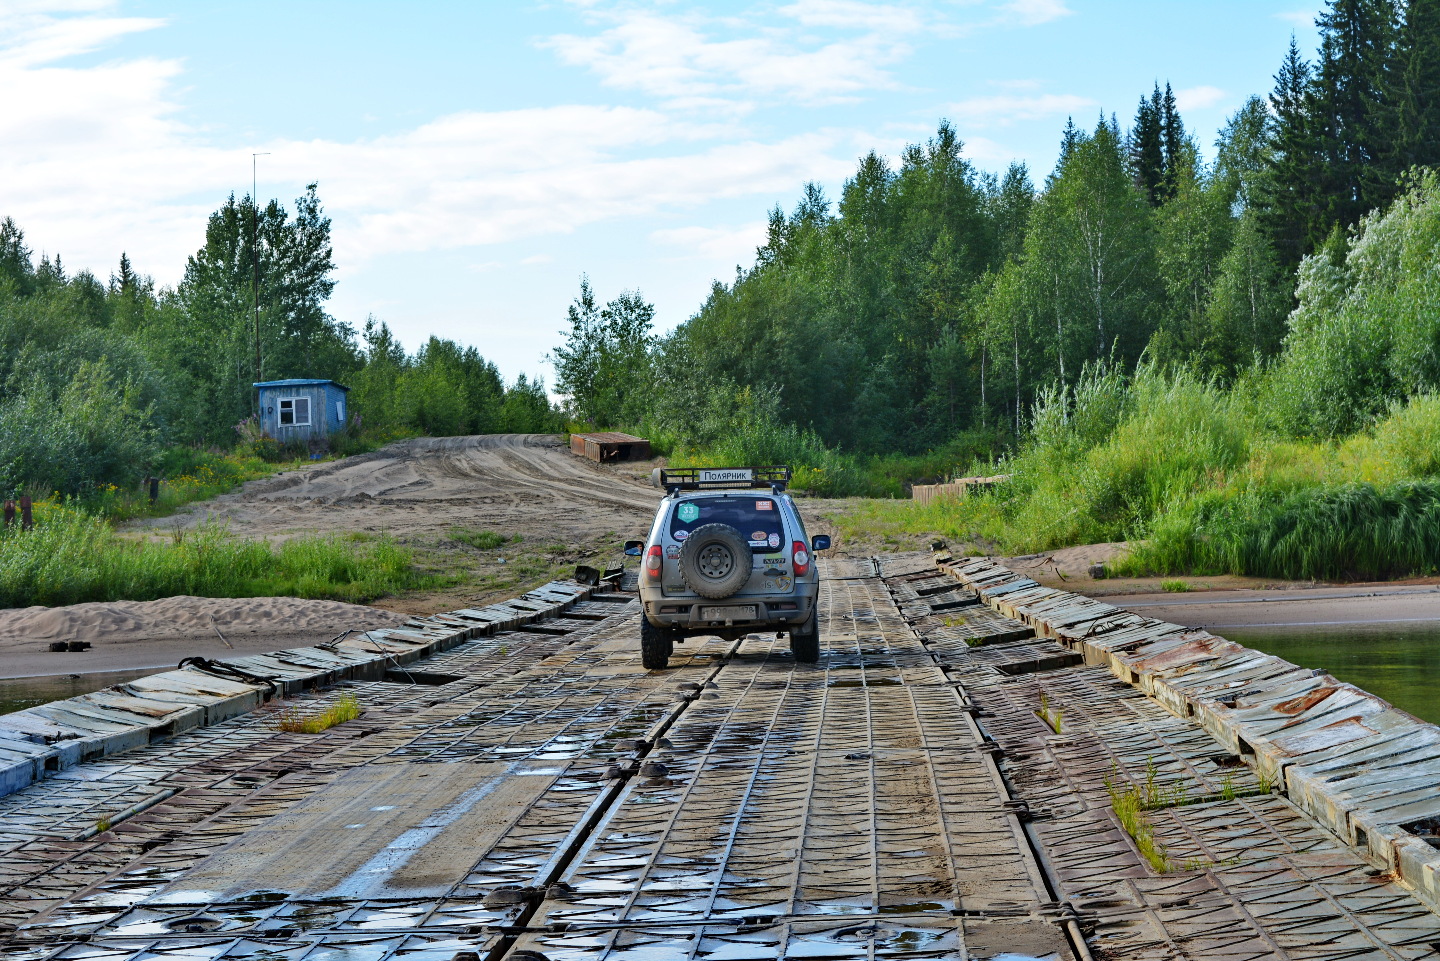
<point x="805" y="640"/>
<point x="655" y="646"/>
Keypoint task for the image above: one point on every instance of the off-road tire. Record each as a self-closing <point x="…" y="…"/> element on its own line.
<point x="655" y="646"/>
<point x="805" y="640"/>
<point x="715" y="561"/>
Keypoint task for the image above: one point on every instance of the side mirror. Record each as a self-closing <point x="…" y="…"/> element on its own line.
<point x="634" y="548"/>
<point x="820" y="542"/>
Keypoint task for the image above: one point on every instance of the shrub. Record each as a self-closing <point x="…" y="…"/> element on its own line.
<point x="92" y="431"/>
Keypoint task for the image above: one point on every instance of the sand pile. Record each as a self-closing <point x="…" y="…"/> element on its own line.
<point x="134" y="634"/>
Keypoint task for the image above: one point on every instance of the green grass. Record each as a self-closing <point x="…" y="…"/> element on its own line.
<point x="1127" y="801"/>
<point x="1052" y="716"/>
<point x="186" y="475"/>
<point x="296" y="721"/>
<point x="1356" y="531"/>
<point x="1174" y="586"/>
<point x="482" y="539"/>
<point x="73" y="556"/>
<point x="1200" y="484"/>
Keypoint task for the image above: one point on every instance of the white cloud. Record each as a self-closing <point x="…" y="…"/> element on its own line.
<point x="1298" y="18"/>
<point x="989" y="154"/>
<point x="1198" y="98"/>
<point x="723" y="244"/>
<point x="852" y="14"/>
<point x="1014" y="84"/>
<point x="1030" y="13"/>
<point x="686" y="61"/>
<point x="96" y="162"/>
<point x="1004" y="109"/>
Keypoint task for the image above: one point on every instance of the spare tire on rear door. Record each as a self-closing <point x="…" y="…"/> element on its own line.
<point x="715" y="561"/>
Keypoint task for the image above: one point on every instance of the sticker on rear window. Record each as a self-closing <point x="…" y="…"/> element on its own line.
<point x="681" y="535"/>
<point x="758" y="536"/>
<point x="688" y="512"/>
<point x="774" y="541"/>
<point x="764" y="505"/>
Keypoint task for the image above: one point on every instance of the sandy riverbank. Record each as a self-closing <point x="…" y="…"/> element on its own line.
<point x="1318" y="606"/>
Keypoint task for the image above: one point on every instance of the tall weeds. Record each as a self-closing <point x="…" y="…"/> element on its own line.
<point x="1351" y="531"/>
<point x="73" y="556"/>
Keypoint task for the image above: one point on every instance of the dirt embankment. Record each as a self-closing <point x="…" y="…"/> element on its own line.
<point x="436" y="495"/>
<point x="528" y="484"/>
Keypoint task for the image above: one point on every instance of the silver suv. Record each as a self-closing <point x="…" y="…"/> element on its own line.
<point x="727" y="556"/>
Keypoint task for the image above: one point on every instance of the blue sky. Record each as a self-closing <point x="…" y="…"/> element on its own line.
<point x="477" y="158"/>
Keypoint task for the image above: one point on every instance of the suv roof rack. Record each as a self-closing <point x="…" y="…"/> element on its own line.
<point x="675" y="479"/>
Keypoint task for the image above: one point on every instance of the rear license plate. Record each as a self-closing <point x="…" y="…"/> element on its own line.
<point x="727" y="613"/>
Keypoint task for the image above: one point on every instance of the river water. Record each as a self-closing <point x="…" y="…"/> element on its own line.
<point x="18" y="693"/>
<point x="1399" y="662"/>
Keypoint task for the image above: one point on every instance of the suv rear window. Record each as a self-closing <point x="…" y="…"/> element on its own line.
<point x="756" y="518"/>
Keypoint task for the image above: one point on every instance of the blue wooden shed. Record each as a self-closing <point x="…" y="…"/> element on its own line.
<point x="300" y="409"/>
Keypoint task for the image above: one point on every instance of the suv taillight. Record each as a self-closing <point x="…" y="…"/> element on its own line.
<point x="652" y="561"/>
<point x="800" y="557"/>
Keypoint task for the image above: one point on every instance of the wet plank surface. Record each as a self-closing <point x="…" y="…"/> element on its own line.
<point x="938" y="786"/>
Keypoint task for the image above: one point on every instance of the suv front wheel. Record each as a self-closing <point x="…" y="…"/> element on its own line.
<point x="655" y="646"/>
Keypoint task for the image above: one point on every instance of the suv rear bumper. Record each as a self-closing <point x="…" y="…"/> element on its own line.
<point x="696" y="614"/>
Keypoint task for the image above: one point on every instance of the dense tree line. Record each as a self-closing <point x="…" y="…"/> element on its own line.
<point x="933" y="301"/>
<point x="99" y="377"/>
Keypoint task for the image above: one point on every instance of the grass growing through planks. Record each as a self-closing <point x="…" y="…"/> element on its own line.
<point x="1131" y="801"/>
<point x="1051" y="716"/>
<point x="345" y="708"/>
<point x="73" y="556"/>
<point x="1125" y="801"/>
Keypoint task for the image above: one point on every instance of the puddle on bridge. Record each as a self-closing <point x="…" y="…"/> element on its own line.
<point x="1399" y="662"/>
<point x="18" y="693"/>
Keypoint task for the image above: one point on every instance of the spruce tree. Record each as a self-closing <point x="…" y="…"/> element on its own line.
<point x="1349" y="113"/>
<point x="1288" y="191"/>
<point x="1413" y="88"/>
<point x="1172" y="133"/>
<point x="16" y="268"/>
<point x="1147" y="150"/>
<point x="1069" y="138"/>
<point x="123" y="282"/>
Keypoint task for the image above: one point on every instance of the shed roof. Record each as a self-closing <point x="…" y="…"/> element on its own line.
<point x="296" y="382"/>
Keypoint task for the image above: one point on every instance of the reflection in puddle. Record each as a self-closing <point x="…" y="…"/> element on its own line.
<point x="18" y="693"/>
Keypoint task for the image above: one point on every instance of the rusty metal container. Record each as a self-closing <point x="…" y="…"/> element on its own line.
<point x="607" y="446"/>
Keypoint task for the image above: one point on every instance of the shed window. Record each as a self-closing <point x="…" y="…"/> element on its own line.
<point x="295" y="412"/>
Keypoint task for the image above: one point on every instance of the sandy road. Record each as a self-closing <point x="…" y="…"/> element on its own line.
<point x="509" y="483"/>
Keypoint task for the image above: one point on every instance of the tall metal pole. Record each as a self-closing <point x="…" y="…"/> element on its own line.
<point x="255" y="252"/>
